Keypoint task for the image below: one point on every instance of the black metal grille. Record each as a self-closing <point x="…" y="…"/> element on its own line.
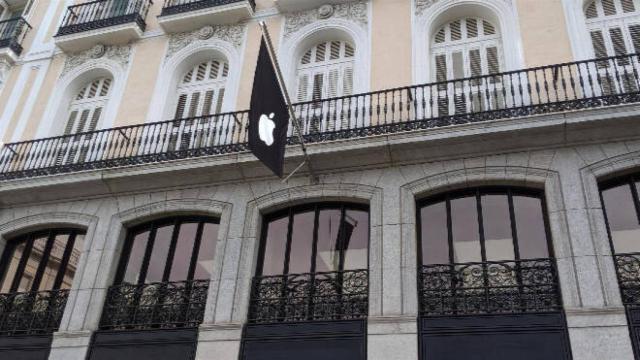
<point x="103" y="13"/>
<point x="163" y="305"/>
<point x="628" y="268"/>
<point x="341" y="295"/>
<point x="556" y="88"/>
<point x="172" y="7"/>
<point x="489" y="288"/>
<point x="32" y="312"/>
<point x="12" y="33"/>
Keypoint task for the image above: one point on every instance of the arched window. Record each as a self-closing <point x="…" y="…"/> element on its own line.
<point x="87" y="107"/>
<point x="486" y="240"/>
<point x="163" y="275"/>
<point x="614" y="26"/>
<point x="317" y="254"/>
<point x="326" y="71"/>
<point x="41" y="261"/>
<point x="467" y="47"/>
<point x="201" y="90"/>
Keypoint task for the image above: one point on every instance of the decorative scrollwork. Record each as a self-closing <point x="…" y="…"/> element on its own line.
<point x="156" y="305"/>
<point x="341" y="295"/>
<point x="489" y="288"/>
<point x="628" y="268"/>
<point x="32" y="312"/>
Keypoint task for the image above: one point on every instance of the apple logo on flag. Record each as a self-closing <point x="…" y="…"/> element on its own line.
<point x="265" y="128"/>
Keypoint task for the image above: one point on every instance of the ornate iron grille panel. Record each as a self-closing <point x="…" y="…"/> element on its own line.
<point x="339" y="295"/>
<point x="172" y="7"/>
<point x="628" y="268"/>
<point x="103" y="13"/>
<point x="163" y="305"/>
<point x="12" y="33"/>
<point x="489" y="288"/>
<point x="564" y="87"/>
<point x="32" y="312"/>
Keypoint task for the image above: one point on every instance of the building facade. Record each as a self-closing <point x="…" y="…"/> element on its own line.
<point x="474" y="193"/>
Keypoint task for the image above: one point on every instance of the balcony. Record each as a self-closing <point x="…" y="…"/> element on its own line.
<point x="297" y="5"/>
<point x="32" y="313"/>
<point x="108" y="22"/>
<point x="339" y="295"/>
<point x="164" y="305"/>
<point x="12" y="34"/>
<point x="188" y="15"/>
<point x="439" y="108"/>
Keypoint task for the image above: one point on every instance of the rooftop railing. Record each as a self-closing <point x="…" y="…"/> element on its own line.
<point x="172" y="7"/>
<point x="103" y="13"/>
<point x="12" y="33"/>
<point x="557" y="88"/>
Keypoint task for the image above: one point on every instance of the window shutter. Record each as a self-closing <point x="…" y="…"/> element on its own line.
<point x="195" y="103"/>
<point x="349" y="51"/>
<point x="106" y="85"/>
<point x="215" y="70"/>
<point x="318" y="83"/>
<point x="321" y="50"/>
<point x="335" y="50"/>
<point x="472" y="28"/>
<point x="441" y="68"/>
<point x="182" y="102"/>
<point x="634" y="31"/>
<point x="475" y="62"/>
<point x="628" y="6"/>
<point x="94" y="119"/>
<point x="488" y="28"/>
<point x="493" y="61"/>
<point x="457" y="65"/>
<point x="599" y="46"/>
<point x="456" y="33"/>
<point x="347" y="85"/>
<point x="208" y="100"/>
<point x="83" y="120"/>
<point x="70" y="122"/>
<point x="617" y="39"/>
<point x="201" y="72"/>
<point x="609" y="7"/>
<point x="592" y="11"/>
<point x="306" y="59"/>
<point x="334" y="77"/>
<point x="441" y="36"/>
<point x="188" y="77"/>
<point x="303" y="85"/>
<point x="220" y="100"/>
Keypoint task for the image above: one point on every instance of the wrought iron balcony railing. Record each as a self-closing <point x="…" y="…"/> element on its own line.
<point x="515" y="94"/>
<point x="342" y="295"/>
<point x="12" y="34"/>
<point x="499" y="287"/>
<point x="32" y="312"/>
<point x="103" y="13"/>
<point x="163" y="305"/>
<point x="172" y="7"/>
<point x="628" y="269"/>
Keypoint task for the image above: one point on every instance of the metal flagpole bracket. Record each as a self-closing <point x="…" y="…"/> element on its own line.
<point x="292" y="115"/>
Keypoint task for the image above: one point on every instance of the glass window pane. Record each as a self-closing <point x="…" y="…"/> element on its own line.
<point x="496" y="222"/>
<point x="74" y="259"/>
<point x="30" y="270"/>
<point x="276" y="246"/>
<point x="53" y="265"/>
<point x="159" y="254"/>
<point x="532" y="235"/>
<point x="466" y="238"/>
<point x="356" y="230"/>
<point x="184" y="251"/>
<point x="301" y="243"/>
<point x="434" y="233"/>
<point x="328" y="254"/>
<point x="10" y="271"/>
<point x="136" y="257"/>
<point x="623" y="220"/>
<point x="204" y="266"/>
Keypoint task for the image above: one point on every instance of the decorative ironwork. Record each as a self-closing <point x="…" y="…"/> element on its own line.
<point x="549" y="89"/>
<point x="32" y="312"/>
<point x="12" y="33"/>
<point x="172" y="7"/>
<point x="103" y="13"/>
<point x="489" y="288"/>
<point x="163" y="305"/>
<point x="341" y="295"/>
<point x="628" y="268"/>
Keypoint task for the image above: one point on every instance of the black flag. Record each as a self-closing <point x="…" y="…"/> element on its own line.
<point x="269" y="115"/>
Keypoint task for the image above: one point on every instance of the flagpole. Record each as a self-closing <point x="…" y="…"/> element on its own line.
<point x="292" y="115"/>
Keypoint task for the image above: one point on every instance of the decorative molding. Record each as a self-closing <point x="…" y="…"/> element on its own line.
<point x="423" y="5"/>
<point x="233" y="34"/>
<point x="356" y="12"/>
<point x="119" y="54"/>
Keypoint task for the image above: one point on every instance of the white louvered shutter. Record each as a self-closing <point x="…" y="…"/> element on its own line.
<point x="614" y="26"/>
<point x="326" y="71"/>
<point x="201" y="91"/>
<point x="86" y="109"/>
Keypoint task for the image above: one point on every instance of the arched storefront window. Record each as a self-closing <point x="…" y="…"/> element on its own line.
<point x="163" y="275"/>
<point x="483" y="240"/>
<point x="318" y="254"/>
